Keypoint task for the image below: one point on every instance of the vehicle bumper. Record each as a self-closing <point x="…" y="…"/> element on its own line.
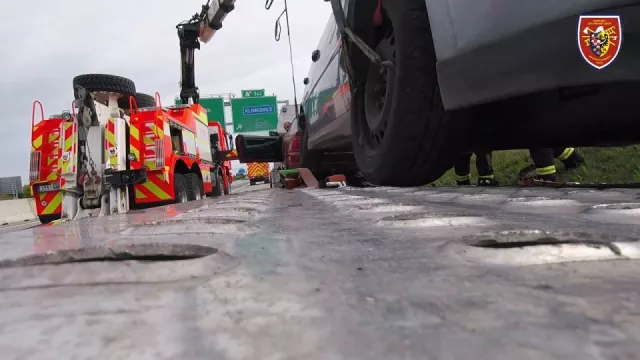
<point x="542" y="58"/>
<point x="126" y="177"/>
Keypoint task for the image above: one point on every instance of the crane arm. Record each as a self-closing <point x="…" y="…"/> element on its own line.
<point x="201" y="27"/>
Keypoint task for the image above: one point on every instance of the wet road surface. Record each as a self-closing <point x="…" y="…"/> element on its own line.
<point x="238" y="186"/>
<point x="376" y="273"/>
<point x="18" y="226"/>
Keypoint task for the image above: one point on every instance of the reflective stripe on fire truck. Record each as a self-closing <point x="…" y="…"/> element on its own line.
<point x="202" y="117"/>
<point x="69" y="149"/>
<point x="49" y="203"/>
<point x="134" y="141"/>
<point x="37" y="143"/>
<point x="110" y="154"/>
<point x="46" y="140"/>
<point x="232" y="154"/>
<point x="153" y="139"/>
<point x="155" y="189"/>
<point x="257" y="169"/>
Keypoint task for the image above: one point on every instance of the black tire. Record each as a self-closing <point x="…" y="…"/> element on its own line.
<point x="412" y="142"/>
<point x="251" y="182"/>
<point x="309" y="159"/>
<point x="46" y="219"/>
<point x="194" y="186"/>
<point x="180" y="188"/>
<point x="227" y="189"/>
<point x="106" y="83"/>
<point x="142" y="100"/>
<point x="217" y="187"/>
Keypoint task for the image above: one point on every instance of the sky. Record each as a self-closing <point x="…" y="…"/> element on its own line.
<point x="137" y="39"/>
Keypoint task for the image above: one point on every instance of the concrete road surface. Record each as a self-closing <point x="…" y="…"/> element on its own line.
<point x="320" y="274"/>
<point x="18" y="226"/>
<point x="238" y="186"/>
<point x="241" y="186"/>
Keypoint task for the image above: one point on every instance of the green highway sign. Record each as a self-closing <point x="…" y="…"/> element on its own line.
<point x="252" y="93"/>
<point x="251" y="114"/>
<point x="214" y="107"/>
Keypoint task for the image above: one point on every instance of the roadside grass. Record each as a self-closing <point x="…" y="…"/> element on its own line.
<point x="616" y="165"/>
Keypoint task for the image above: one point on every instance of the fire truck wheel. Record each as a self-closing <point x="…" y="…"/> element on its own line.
<point x="106" y="83"/>
<point x="401" y="134"/>
<point x="194" y="186"/>
<point x="180" y="188"/>
<point x="217" y="188"/>
<point x="142" y="100"/>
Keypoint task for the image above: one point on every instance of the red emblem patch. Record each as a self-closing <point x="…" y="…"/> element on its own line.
<point x="599" y="39"/>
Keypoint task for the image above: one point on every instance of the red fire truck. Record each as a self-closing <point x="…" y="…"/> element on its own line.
<point x="104" y="159"/>
<point x="124" y="149"/>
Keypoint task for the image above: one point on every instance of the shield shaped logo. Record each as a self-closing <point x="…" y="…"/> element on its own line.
<point x="599" y="39"/>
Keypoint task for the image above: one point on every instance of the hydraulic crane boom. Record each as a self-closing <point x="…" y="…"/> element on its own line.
<point x="201" y="27"/>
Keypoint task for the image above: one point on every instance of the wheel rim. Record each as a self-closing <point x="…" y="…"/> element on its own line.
<point x="378" y="90"/>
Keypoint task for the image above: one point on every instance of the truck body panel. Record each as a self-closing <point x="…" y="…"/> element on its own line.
<point x="45" y="162"/>
<point x="170" y="140"/>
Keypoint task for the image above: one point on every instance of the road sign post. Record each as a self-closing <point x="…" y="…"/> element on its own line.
<point x="252" y="114"/>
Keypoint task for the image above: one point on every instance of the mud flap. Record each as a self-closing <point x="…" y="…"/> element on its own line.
<point x="308" y="178"/>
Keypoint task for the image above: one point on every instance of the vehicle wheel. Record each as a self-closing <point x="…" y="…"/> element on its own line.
<point x="106" y="83"/>
<point x="194" y="186"/>
<point x="217" y="189"/>
<point x="142" y="100"/>
<point x="227" y="189"/>
<point x="251" y="182"/>
<point x="308" y="158"/>
<point x="180" y="188"/>
<point x="400" y="132"/>
<point x="45" y="219"/>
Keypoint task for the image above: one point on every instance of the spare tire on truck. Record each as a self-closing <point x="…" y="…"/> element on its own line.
<point x="106" y="83"/>
<point x="401" y="134"/>
<point x="142" y="100"/>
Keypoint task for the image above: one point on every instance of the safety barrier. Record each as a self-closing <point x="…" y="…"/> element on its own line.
<point x="12" y="211"/>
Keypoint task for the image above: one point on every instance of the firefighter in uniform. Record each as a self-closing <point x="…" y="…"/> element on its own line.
<point x="543" y="161"/>
<point x="462" y="169"/>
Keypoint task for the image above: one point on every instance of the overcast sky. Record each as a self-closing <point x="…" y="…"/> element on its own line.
<point x="47" y="43"/>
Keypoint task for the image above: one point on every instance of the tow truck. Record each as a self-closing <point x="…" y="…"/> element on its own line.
<point x="119" y="149"/>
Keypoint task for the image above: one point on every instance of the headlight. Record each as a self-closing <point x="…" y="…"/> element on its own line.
<point x="131" y="157"/>
<point x="66" y="115"/>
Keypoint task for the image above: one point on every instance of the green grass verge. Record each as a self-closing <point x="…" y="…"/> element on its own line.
<point x="603" y="165"/>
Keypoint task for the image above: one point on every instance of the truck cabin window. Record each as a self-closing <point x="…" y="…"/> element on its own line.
<point x="177" y="145"/>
